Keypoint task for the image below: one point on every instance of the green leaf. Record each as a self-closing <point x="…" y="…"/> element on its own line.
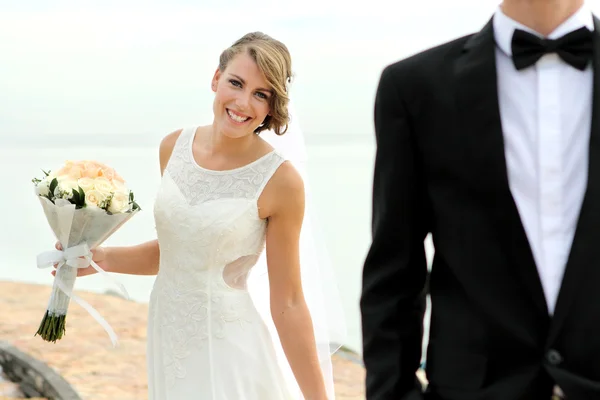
<point x="135" y="206"/>
<point x="82" y="196"/>
<point x="53" y="185"/>
<point x="76" y="199"/>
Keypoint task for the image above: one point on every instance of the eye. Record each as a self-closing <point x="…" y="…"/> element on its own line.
<point x="235" y="83"/>
<point x="262" y="95"/>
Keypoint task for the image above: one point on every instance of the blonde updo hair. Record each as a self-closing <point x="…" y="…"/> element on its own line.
<point x="274" y="61"/>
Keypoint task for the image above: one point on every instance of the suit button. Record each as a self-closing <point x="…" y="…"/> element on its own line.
<point x="553" y="357"/>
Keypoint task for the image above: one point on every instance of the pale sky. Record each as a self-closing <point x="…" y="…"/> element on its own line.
<point x="84" y="67"/>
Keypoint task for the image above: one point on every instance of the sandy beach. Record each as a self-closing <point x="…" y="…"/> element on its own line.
<point x="85" y="356"/>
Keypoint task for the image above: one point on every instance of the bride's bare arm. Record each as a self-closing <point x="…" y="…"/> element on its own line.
<point x="141" y="259"/>
<point x="284" y="201"/>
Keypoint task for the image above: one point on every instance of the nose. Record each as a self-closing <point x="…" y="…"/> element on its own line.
<point x="243" y="100"/>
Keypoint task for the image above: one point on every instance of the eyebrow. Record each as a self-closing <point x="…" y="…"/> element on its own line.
<point x="244" y="82"/>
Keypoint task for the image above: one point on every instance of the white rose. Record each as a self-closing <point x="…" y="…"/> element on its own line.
<point x="86" y="184"/>
<point x="120" y="187"/>
<point x="43" y="188"/>
<point x="119" y="203"/>
<point x="95" y="198"/>
<point x="65" y="187"/>
<point x="103" y="186"/>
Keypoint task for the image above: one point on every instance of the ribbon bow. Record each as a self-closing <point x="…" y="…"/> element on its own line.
<point x="79" y="256"/>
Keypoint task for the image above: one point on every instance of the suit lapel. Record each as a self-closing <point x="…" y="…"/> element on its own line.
<point x="588" y="226"/>
<point x="477" y="102"/>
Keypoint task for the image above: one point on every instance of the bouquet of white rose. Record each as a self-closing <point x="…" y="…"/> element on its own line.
<point x="85" y="202"/>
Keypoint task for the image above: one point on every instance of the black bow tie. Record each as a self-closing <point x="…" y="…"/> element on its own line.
<point x="574" y="48"/>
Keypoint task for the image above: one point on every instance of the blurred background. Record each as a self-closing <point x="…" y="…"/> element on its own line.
<point x="108" y="80"/>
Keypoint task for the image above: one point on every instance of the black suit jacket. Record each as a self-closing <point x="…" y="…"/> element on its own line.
<point x="440" y="169"/>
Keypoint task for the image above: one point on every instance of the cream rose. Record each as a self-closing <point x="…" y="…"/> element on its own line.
<point x="119" y="203"/>
<point x="120" y="187"/>
<point x="95" y="198"/>
<point x="86" y="184"/>
<point x="91" y="171"/>
<point x="104" y="186"/>
<point x="75" y="172"/>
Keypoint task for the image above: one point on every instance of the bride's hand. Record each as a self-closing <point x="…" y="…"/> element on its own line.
<point x="98" y="256"/>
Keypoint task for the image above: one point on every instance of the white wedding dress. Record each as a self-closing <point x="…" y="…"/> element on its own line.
<point x="206" y="340"/>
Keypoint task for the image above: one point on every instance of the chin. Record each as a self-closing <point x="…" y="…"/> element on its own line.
<point x="236" y="135"/>
<point x="237" y="132"/>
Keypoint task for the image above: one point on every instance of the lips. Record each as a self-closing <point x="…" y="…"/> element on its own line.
<point x="237" y="117"/>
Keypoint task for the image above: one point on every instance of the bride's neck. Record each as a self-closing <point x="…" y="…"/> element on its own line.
<point x="222" y="144"/>
<point x="543" y="16"/>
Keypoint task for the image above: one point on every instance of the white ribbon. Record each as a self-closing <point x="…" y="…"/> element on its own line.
<point x="79" y="256"/>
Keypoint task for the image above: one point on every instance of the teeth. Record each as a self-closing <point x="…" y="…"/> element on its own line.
<point x="236" y="118"/>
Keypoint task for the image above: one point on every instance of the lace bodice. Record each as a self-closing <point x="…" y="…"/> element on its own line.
<point x="200" y="185"/>
<point x="207" y="221"/>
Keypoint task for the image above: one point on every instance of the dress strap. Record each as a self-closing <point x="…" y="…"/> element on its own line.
<point x="269" y="165"/>
<point x="178" y="155"/>
<point x="185" y="137"/>
<point x="183" y="140"/>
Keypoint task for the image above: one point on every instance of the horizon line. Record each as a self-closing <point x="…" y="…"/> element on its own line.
<point x="146" y="140"/>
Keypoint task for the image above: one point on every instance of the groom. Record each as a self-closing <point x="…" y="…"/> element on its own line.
<point x="491" y="143"/>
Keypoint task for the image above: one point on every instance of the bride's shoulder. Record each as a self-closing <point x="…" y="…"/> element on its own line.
<point x="166" y="148"/>
<point x="284" y="193"/>
<point x="287" y="177"/>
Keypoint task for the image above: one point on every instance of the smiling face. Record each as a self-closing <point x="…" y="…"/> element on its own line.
<point x="242" y="97"/>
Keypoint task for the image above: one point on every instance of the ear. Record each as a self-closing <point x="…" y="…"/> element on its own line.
<point x="215" y="80"/>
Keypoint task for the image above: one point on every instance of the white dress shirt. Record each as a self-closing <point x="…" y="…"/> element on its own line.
<point x="546" y="115"/>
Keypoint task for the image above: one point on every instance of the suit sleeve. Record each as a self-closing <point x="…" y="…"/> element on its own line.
<point x="393" y="300"/>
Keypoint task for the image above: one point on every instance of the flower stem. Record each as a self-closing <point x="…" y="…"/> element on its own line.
<point x="52" y="327"/>
<point x="53" y="324"/>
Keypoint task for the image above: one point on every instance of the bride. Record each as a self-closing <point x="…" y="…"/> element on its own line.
<point x="226" y="194"/>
